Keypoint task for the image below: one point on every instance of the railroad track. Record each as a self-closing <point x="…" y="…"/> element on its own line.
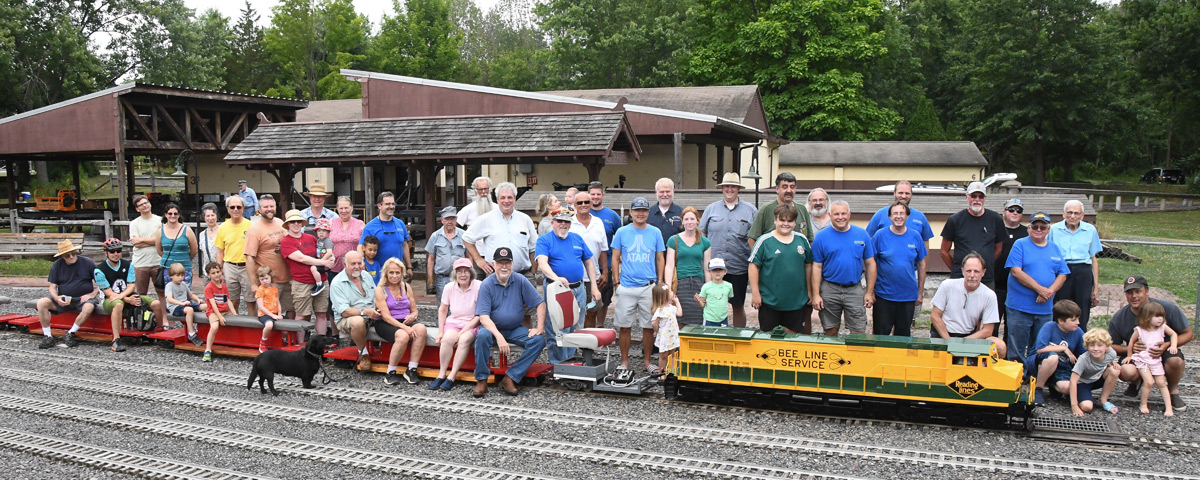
<point x="374" y="461"/>
<point x="112" y="460"/>
<point x="683" y="432"/>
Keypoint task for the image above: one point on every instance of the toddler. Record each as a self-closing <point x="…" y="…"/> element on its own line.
<point x="267" y="298"/>
<point x="714" y="296"/>
<point x="1099" y="363"/>
<point x="216" y="294"/>
<point x="324" y="252"/>
<point x="666" y="309"/>
<point x="181" y="302"/>
<point x="370" y="248"/>
<point x="1152" y="330"/>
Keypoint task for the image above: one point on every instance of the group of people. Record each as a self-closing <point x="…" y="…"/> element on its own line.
<point x="670" y="265"/>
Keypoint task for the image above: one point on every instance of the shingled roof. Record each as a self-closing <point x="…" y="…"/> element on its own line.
<point x="733" y="102"/>
<point x="537" y="135"/>
<point x="881" y="154"/>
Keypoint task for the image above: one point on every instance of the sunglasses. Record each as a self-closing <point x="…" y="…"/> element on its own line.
<point x="172" y="214"/>
<point x="583" y="203"/>
<point x="1039" y="227"/>
<point x="235" y="207"/>
<point x="112" y="251"/>
<point x="1015" y="209"/>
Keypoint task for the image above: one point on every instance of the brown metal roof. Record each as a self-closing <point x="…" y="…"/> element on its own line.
<point x="882" y="154"/>
<point x="735" y="102"/>
<point x="546" y="137"/>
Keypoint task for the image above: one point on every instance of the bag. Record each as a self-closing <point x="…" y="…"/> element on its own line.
<point x="675" y="271"/>
<point x="159" y="277"/>
<point x="140" y="318"/>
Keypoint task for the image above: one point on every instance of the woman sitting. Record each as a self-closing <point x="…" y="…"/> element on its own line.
<point x="393" y="299"/>
<point x="457" y="323"/>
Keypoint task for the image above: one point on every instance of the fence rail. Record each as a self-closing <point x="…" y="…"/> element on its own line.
<point x="1196" y="314"/>
<point x="1118" y="199"/>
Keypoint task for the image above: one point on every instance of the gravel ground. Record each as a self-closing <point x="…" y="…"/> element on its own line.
<point x="650" y="407"/>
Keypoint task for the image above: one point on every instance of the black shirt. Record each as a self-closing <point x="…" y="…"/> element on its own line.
<point x="974" y="234"/>
<point x="73" y="280"/>
<point x="669" y="223"/>
<point x="1120" y="327"/>
<point x="1011" y="235"/>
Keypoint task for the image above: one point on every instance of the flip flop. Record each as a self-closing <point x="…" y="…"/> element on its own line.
<point x="1110" y="408"/>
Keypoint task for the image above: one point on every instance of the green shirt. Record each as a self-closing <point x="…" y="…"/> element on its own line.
<point x="689" y="260"/>
<point x="764" y="222"/>
<point x="781" y="280"/>
<point x="716" y="301"/>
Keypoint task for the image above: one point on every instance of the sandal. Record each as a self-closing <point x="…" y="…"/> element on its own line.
<point x="1110" y="408"/>
<point x="652" y="369"/>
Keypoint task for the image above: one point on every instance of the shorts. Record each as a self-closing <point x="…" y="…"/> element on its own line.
<point x="238" y="282"/>
<point x="143" y="278"/>
<point x="110" y="304"/>
<point x="305" y="303"/>
<point x="387" y="331"/>
<point x="263" y="319"/>
<point x="74" y="306"/>
<point x="177" y="310"/>
<point x="285" y="297"/>
<point x="723" y="323"/>
<point x="458" y="327"/>
<point x="739" y="282"/>
<point x="842" y="300"/>
<point x="1061" y="374"/>
<point x="606" y="294"/>
<point x="343" y="324"/>
<point x="633" y="306"/>
<point x="1083" y="392"/>
<point x="794" y="320"/>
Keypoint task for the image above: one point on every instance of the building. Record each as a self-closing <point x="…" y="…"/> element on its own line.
<point x="866" y="165"/>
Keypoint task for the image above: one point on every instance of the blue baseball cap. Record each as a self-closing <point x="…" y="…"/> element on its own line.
<point x="640" y="203"/>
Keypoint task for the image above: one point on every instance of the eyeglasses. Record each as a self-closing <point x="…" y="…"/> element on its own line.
<point x="1039" y="227"/>
<point x="71" y="254"/>
<point x="583" y="203"/>
<point x="235" y="207"/>
<point x="172" y="214"/>
<point x="561" y="221"/>
<point x="1016" y="209"/>
<point x="978" y="195"/>
<point x="112" y="251"/>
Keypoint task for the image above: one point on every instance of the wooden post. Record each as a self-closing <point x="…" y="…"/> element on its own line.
<point x="124" y="184"/>
<point x="75" y="178"/>
<point x="1100" y="204"/>
<point x="427" y="183"/>
<point x="108" y="228"/>
<point x="702" y="166"/>
<point x="10" y="179"/>
<point x="1137" y="201"/>
<point x="1118" y="204"/>
<point x="1163" y="205"/>
<point x="678" y="143"/>
<point x="720" y="162"/>
<point x="369" y="193"/>
<point x="593" y="170"/>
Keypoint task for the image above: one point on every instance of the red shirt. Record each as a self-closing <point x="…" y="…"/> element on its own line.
<point x="218" y="294"/>
<point x="306" y="244"/>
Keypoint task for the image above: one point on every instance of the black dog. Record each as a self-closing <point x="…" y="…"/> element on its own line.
<point x="303" y="363"/>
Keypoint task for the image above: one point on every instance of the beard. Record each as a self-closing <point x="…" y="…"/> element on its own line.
<point x="976" y="209"/>
<point x="484" y="205"/>
<point x="819" y="212"/>
<point x="563" y="235"/>
<point x="503" y="277"/>
<point x="267" y="215"/>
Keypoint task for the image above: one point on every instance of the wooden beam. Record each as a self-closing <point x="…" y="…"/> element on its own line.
<point x="702" y="164"/>
<point x="137" y="122"/>
<point x="593" y="170"/>
<point x="720" y="163"/>
<point x="75" y="180"/>
<point x="204" y="127"/>
<point x="228" y="136"/>
<point x="179" y="133"/>
<point x="428" y="184"/>
<point x="11" y="178"/>
<point x="678" y="148"/>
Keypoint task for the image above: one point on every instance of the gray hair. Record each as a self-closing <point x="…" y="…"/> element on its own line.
<point x="784" y="177"/>
<point x="839" y="202"/>
<point x="486" y="179"/>
<point x="210" y="207"/>
<point x="663" y="181"/>
<point x="230" y="199"/>
<point x="507" y="186"/>
<point x="1072" y="203"/>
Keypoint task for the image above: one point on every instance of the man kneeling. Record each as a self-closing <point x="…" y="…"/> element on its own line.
<point x="503" y="298"/>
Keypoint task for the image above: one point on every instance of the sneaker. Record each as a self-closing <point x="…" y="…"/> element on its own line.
<point x="411" y="376"/>
<point x="1177" y="403"/>
<point x="447" y="384"/>
<point x="47" y="342"/>
<point x="318" y="289"/>
<point x="391" y="378"/>
<point x="1134" y="389"/>
<point x="117" y="347"/>
<point x="198" y="342"/>
<point x="262" y="346"/>
<point x="71" y="340"/>
<point x="207" y="357"/>
<point x="436" y="383"/>
<point x="1039" y="398"/>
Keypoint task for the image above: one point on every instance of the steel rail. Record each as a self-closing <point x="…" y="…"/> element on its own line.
<point x="719" y="436"/>
<point x="113" y="460"/>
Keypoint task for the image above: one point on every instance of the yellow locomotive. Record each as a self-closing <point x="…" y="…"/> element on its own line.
<point x="954" y="378"/>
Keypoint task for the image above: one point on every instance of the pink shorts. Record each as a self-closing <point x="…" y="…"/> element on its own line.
<point x="458" y="327"/>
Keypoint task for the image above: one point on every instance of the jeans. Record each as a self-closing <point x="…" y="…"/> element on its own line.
<point x="556" y="353"/>
<point x="484" y="341"/>
<point x="440" y="281"/>
<point x="1022" y="329"/>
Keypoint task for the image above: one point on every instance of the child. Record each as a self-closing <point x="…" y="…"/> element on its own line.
<point x="370" y="248"/>
<point x="1152" y="330"/>
<point x="324" y="252"/>
<point x="714" y="296"/>
<point x="181" y="302"/>
<point x="1100" y="362"/>
<point x="1058" y="345"/>
<point x="666" y="309"/>
<point x="216" y="293"/>
<point x="267" y="298"/>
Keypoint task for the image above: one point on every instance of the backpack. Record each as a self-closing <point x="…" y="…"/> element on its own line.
<point x="139" y="318"/>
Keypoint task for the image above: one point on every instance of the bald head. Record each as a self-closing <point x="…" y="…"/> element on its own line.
<point x="354" y="262"/>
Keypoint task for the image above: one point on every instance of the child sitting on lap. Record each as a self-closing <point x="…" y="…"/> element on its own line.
<point x="1152" y="330"/>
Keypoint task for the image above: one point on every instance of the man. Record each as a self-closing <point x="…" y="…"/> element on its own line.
<point x="353" y="295"/>
<point x="262" y="248"/>
<point x="1079" y="243"/>
<point x="444" y="247"/>
<point x="115" y="279"/>
<point x="818" y="207"/>
<point x="665" y="217"/>
<point x="1137" y="294"/>
<point x="591" y="229"/>
<point x="231" y="250"/>
<point x="965" y="308"/>
<point x="147" y="263"/>
<point x="973" y="229"/>
<point x="71" y="290"/>
<point x="564" y="257"/>
<point x="638" y="262"/>
<point x="394" y="240"/>
<point x="841" y="255"/>
<point x="482" y="204"/>
<point x="916" y="220"/>
<point x="503" y="227"/>
<point x="727" y="224"/>
<point x="611" y="222"/>
<point x="1014" y="213"/>
<point x="1037" y="271"/>
<point x="249" y="199"/>
<point x="316" y="201"/>
<point x="785" y="193"/>
<point x="503" y="299"/>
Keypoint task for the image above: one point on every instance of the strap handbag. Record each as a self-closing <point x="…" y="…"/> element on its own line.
<point x="160" y="279"/>
<point x="675" y="271"/>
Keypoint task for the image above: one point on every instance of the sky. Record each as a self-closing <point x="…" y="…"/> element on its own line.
<point x="373" y="9"/>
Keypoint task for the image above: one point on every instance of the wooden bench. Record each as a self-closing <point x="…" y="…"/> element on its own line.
<point x="14" y="245"/>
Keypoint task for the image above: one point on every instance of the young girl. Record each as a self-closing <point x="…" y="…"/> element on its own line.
<point x="267" y="298"/>
<point x="394" y="300"/>
<point x="1152" y="330"/>
<point x="666" y="337"/>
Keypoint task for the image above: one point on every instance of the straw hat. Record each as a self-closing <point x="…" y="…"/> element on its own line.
<point x="65" y="247"/>
<point x="731" y="178"/>
<point x="294" y="216"/>
<point x="317" y="189"/>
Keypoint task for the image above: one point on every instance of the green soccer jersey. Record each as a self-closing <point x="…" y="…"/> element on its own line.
<point x="781" y="280"/>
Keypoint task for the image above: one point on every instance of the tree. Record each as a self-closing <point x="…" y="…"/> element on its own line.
<point x="174" y="48"/>
<point x="310" y="42"/>
<point x="503" y="48"/>
<point x="248" y="69"/>
<point x="923" y="124"/>
<point x="420" y="41"/>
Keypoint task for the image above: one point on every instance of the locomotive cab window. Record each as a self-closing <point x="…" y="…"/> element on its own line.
<point x="968" y="361"/>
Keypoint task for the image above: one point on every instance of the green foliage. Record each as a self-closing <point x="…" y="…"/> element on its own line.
<point x="247" y="68"/>
<point x="304" y="43"/>
<point x="419" y="41"/>
<point x="923" y="125"/>
<point x="26" y="267"/>
<point x="175" y="48"/>
<point x="503" y="48"/>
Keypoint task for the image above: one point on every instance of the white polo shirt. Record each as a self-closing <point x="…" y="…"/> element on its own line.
<point x="594" y="236"/>
<point x="961" y="310"/>
<point x="492" y="230"/>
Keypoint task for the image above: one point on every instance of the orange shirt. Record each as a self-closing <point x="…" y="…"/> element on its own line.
<point x="268" y="297"/>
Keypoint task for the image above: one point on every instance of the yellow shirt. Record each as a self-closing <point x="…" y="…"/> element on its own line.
<point x="232" y="240"/>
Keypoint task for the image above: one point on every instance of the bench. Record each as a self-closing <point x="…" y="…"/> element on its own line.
<point x="35" y="244"/>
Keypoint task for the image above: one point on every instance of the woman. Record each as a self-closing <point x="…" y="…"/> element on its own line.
<point x="457" y="323"/>
<point x="547" y="203"/>
<point x="393" y="299"/>
<point x="780" y="274"/>
<point x="208" y="251"/>
<point x="345" y="232"/>
<point x="688" y="252"/>
<point x="900" y="281"/>
<point x="176" y="243"/>
<point x="299" y="251"/>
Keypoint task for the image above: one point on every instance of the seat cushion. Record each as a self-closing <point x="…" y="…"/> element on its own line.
<point x="590" y="338"/>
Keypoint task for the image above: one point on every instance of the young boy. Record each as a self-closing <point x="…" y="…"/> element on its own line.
<point x="1100" y="362"/>
<point x="267" y="298"/>
<point x="1058" y="346"/>
<point x="714" y="296"/>
<point x="181" y="302"/>
<point x="324" y="251"/>
<point x="370" y="248"/>
<point x="216" y="294"/>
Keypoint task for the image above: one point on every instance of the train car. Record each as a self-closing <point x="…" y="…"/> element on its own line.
<point x="874" y="374"/>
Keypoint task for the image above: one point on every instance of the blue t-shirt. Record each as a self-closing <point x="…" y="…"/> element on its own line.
<point x="639" y="248"/>
<point x="896" y="259"/>
<point x="372" y="268"/>
<point x="1050" y="334"/>
<point x="506" y="304"/>
<point x="391" y="234"/>
<point x="565" y="255"/>
<point x="841" y="254"/>
<point x="611" y="221"/>
<point x="916" y="222"/>
<point x="1043" y="264"/>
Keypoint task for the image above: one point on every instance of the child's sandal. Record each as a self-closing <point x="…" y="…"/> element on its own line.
<point x="1110" y="408"/>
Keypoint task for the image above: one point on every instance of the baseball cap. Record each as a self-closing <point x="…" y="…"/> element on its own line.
<point x="563" y="214"/>
<point x="502" y="253"/>
<point x="1014" y="202"/>
<point x="1039" y="217"/>
<point x="463" y="263"/>
<point x="640" y="203"/>
<point x="716" y="264"/>
<point x="976" y="187"/>
<point x="241" y="182"/>
<point x="1136" y="281"/>
<point x="448" y="212"/>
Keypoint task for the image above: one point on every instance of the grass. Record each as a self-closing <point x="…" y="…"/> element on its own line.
<point x="1173" y="268"/>
<point x="25" y="267"/>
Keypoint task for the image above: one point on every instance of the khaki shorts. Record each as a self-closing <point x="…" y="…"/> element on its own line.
<point x="305" y="303"/>
<point x="238" y="283"/>
<point x="285" y="297"/>
<point x="633" y="306"/>
<point x="343" y="324"/>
